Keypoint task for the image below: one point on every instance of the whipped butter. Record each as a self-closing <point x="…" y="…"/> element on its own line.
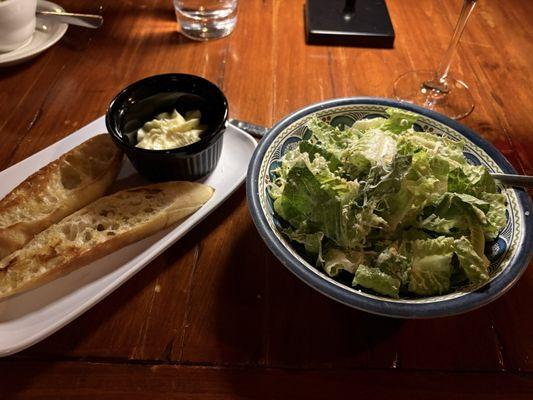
<point x="170" y="130"/>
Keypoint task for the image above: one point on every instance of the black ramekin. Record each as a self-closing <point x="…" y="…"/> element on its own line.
<point x="143" y="100"/>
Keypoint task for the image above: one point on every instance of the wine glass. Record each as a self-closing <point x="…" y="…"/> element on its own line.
<point x="437" y="90"/>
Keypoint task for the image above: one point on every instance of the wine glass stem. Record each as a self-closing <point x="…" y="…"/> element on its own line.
<point x="446" y="61"/>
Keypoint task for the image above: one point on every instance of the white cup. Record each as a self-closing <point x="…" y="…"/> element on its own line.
<point x="17" y="23"/>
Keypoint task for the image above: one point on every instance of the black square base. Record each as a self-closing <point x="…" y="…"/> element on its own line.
<point x="342" y="23"/>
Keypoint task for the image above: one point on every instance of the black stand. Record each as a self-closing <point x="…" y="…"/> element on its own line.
<point x="363" y="23"/>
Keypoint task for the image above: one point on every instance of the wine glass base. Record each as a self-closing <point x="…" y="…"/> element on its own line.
<point x="456" y="103"/>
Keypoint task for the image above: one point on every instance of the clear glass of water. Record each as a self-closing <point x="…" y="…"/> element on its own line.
<point x="206" y="19"/>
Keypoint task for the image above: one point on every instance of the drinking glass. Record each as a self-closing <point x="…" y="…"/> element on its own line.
<point x="206" y="19"/>
<point x="437" y="90"/>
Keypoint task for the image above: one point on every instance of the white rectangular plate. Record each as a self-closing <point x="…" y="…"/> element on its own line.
<point x="30" y="317"/>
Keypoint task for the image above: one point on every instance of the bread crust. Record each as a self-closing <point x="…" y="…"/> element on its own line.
<point x="56" y="251"/>
<point x="63" y="186"/>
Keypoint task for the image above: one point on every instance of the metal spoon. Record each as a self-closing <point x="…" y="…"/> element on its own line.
<point x="525" y="181"/>
<point x="86" y="20"/>
<point x="249" y="128"/>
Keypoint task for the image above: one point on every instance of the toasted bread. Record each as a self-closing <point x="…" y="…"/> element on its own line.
<point x="77" y="178"/>
<point x="98" y="229"/>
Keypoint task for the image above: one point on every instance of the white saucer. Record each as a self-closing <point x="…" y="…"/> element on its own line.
<point x="46" y="34"/>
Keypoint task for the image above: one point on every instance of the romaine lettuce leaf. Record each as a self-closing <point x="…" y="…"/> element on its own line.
<point x="393" y="263"/>
<point x="376" y="280"/>
<point x="459" y="212"/>
<point x="375" y="146"/>
<point x="399" y="120"/>
<point x="424" y="182"/>
<point x="336" y="260"/>
<point x="313" y="149"/>
<point x="442" y="225"/>
<point x="470" y="262"/>
<point x="365" y="124"/>
<point x="476" y="236"/>
<point x="431" y="268"/>
<point x="411" y="142"/>
<point x="471" y="179"/>
<point x="312" y="202"/>
<point x="330" y="137"/>
<point x="460" y="205"/>
<point x="387" y="181"/>
<point x="495" y="216"/>
<point x="311" y="241"/>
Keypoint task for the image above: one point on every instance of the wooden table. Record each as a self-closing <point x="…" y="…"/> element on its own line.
<point x="217" y="316"/>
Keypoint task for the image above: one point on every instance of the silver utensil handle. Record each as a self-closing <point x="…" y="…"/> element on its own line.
<point x="525" y="181"/>
<point x="252" y="129"/>
<point x="85" y="20"/>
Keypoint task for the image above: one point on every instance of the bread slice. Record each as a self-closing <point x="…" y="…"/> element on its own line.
<point x="65" y="185"/>
<point x="98" y="229"/>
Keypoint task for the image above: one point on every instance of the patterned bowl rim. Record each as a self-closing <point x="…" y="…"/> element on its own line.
<point x="470" y="301"/>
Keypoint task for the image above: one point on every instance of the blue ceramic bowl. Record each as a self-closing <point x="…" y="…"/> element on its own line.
<point x="509" y="254"/>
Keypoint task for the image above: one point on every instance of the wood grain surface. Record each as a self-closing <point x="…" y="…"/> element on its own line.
<point x="216" y="315"/>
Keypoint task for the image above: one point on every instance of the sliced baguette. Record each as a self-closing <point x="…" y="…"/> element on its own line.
<point x="77" y="178"/>
<point x="98" y="229"/>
